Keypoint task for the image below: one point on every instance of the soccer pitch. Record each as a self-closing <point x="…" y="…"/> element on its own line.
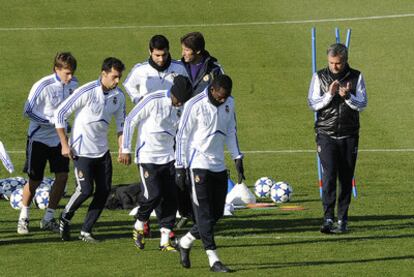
<point x="265" y="46"/>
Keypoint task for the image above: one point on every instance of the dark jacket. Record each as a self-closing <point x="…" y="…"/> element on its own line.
<point x="209" y="70"/>
<point x="337" y="118"/>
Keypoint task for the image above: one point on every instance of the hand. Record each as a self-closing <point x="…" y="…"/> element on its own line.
<point x="333" y="87"/>
<point x="180" y="178"/>
<point x="240" y="170"/>
<point x="67" y="152"/>
<point x="124" y="158"/>
<point x="344" y="90"/>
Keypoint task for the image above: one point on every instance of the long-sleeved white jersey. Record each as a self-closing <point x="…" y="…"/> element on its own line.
<point x="144" y="79"/>
<point x="203" y="130"/>
<point x="318" y="100"/>
<point x="157" y="121"/>
<point x="95" y="109"/>
<point x="44" y="98"/>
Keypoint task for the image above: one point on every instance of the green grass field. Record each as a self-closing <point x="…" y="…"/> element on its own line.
<point x="265" y="46"/>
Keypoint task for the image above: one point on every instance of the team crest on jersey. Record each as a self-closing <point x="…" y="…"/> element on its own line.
<point x="115" y="100"/>
<point x="146" y="174"/>
<point x="206" y="78"/>
<point x="197" y="179"/>
<point x="227" y="109"/>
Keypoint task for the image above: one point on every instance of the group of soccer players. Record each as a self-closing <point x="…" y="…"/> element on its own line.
<point x="184" y="115"/>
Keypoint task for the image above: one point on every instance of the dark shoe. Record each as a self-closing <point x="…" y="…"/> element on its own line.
<point x="87" y="237"/>
<point x="219" y="267"/>
<point x="51" y="225"/>
<point x="184" y="256"/>
<point x="138" y="237"/>
<point x="341" y="228"/>
<point x="64" y="229"/>
<point x="327" y="226"/>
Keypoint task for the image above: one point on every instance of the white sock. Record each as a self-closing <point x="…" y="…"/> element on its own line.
<point x="24" y="212"/>
<point x="139" y="225"/>
<point x="49" y="214"/>
<point x="212" y="257"/>
<point x="165" y="236"/>
<point x="187" y="240"/>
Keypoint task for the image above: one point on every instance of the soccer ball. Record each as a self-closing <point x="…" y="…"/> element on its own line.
<point x="262" y="187"/>
<point x="42" y="198"/>
<point x="281" y="192"/>
<point x="16" y="199"/>
<point x="7" y="189"/>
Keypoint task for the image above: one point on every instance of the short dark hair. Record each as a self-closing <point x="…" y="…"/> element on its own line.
<point x="159" y="42"/>
<point x="65" y="60"/>
<point x="338" y="49"/>
<point x="222" y="81"/>
<point x="112" y="62"/>
<point x="195" y="41"/>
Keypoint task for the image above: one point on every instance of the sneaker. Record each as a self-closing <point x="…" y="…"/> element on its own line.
<point x="219" y="267"/>
<point x="184" y="256"/>
<point x="341" y="228"/>
<point x="87" y="237"/>
<point x="23" y="226"/>
<point x="168" y="248"/>
<point x="64" y="229"/>
<point x="51" y="225"/>
<point x="327" y="227"/>
<point x="138" y="237"/>
<point x="147" y="229"/>
<point x="182" y="222"/>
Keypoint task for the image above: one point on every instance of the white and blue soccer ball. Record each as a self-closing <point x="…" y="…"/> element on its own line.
<point x="42" y="198"/>
<point x="281" y="192"/>
<point x="16" y="198"/>
<point x="262" y="187"/>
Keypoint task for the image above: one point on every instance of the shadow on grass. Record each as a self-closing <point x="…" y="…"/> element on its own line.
<point x="252" y="266"/>
<point x="264" y="224"/>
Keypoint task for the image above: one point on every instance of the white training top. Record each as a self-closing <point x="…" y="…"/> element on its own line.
<point x="44" y="97"/>
<point x="144" y="79"/>
<point x="203" y="130"/>
<point x="316" y="101"/>
<point x="157" y="121"/>
<point x="94" y="112"/>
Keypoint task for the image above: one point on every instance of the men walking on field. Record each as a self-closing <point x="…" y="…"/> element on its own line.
<point x="43" y="143"/>
<point x="95" y="103"/>
<point x="156" y="117"/>
<point x="337" y="94"/>
<point x="207" y="124"/>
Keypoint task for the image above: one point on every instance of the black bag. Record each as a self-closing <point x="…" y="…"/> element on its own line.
<point x="124" y="196"/>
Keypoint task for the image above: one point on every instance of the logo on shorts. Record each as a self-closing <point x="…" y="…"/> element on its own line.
<point x="80" y="175"/>
<point x="319" y="149"/>
<point x="197" y="179"/>
<point x="146" y="174"/>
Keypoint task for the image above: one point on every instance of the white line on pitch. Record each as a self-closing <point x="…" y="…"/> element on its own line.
<point x="230" y="24"/>
<point x="286" y="151"/>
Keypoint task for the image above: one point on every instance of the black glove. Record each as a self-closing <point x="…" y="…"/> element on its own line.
<point x="180" y="178"/>
<point x="240" y="170"/>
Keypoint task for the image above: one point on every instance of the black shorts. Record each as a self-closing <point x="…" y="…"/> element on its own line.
<point x="37" y="154"/>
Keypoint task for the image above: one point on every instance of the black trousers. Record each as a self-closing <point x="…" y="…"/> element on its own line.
<point x="87" y="172"/>
<point x="159" y="193"/>
<point x="338" y="159"/>
<point x="209" y="191"/>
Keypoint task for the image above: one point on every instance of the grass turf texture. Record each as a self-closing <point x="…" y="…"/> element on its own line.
<point x="271" y="66"/>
